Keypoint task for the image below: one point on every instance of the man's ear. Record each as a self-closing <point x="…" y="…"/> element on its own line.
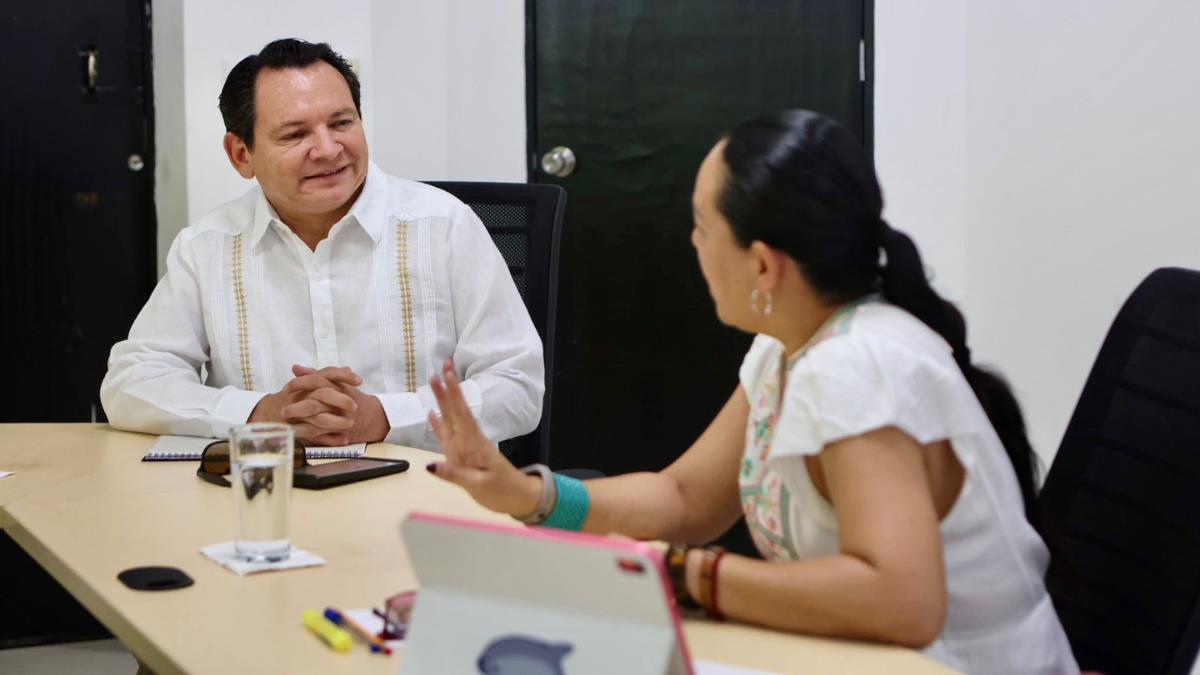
<point x="239" y="155"/>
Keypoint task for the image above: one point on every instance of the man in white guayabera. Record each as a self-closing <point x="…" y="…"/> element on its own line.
<point x="328" y="294"/>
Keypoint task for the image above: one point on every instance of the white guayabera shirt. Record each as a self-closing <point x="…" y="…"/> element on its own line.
<point x="407" y="278"/>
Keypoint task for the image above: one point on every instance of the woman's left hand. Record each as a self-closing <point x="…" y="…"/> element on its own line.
<point x="472" y="461"/>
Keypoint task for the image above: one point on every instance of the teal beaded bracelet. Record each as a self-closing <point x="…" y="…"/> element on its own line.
<point x="571" y="508"/>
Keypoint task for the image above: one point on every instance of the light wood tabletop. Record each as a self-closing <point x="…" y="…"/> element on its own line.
<point x="85" y="507"/>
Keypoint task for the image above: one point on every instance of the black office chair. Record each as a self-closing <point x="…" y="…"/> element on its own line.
<point x="525" y="221"/>
<point x="1120" y="507"/>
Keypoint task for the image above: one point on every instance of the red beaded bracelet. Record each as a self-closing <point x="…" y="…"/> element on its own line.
<point x="709" y="564"/>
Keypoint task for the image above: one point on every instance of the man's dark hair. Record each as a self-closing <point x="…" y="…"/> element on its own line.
<point x="237" y="96"/>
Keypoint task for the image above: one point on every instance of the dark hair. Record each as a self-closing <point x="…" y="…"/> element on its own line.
<point x="237" y="96"/>
<point x="802" y="183"/>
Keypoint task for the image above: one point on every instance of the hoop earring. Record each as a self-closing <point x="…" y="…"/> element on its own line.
<point x="767" y="308"/>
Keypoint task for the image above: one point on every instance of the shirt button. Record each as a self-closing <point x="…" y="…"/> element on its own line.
<point x="324" y="335"/>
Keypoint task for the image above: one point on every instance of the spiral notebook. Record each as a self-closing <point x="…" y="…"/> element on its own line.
<point x="182" y="448"/>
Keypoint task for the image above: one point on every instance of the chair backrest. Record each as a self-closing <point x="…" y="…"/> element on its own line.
<point x="525" y="221"/>
<point x="1120" y="508"/>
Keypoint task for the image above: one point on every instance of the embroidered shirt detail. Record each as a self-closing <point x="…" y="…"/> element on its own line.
<point x="406" y="306"/>
<point x="243" y="325"/>
<point x="766" y="500"/>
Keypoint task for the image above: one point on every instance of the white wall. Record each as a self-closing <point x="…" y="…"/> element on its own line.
<point x="443" y="88"/>
<point x="1069" y="163"/>
<point x="921" y="131"/>
<point x="450" y="89"/>
<point x="411" y="56"/>
<point x="170" y="121"/>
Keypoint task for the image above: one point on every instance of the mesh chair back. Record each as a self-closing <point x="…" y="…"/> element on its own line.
<point x="525" y="221"/>
<point x="1121" y="504"/>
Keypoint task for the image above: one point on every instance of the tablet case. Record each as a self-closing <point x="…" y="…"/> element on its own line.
<point x="501" y="599"/>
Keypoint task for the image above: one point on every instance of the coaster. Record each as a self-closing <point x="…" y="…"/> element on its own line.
<point x="223" y="554"/>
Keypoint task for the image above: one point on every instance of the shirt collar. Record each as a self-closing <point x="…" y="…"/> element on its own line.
<point x="369" y="210"/>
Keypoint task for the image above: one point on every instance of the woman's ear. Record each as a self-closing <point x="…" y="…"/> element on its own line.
<point x="769" y="266"/>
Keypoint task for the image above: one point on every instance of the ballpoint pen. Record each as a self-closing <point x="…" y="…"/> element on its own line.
<point x="374" y="641"/>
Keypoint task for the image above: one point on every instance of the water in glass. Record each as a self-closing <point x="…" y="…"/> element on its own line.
<point x="262" y="484"/>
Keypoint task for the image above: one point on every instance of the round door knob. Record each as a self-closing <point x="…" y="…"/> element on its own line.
<point x="136" y="163"/>
<point x="559" y="162"/>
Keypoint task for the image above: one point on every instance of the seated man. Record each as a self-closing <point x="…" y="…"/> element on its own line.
<point x="327" y="296"/>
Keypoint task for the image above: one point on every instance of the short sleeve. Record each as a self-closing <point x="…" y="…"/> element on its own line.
<point x="762" y="349"/>
<point x="846" y="387"/>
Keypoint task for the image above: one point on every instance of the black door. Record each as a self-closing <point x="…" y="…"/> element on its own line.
<point x="77" y="232"/>
<point x="639" y="90"/>
<point x="77" y="238"/>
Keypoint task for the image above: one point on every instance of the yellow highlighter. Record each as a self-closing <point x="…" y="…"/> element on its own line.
<point x="337" y="639"/>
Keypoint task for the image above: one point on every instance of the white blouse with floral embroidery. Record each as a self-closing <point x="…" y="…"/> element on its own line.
<point x="872" y="366"/>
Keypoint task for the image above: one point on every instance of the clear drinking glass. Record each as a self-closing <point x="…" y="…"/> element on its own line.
<point x="261" y="455"/>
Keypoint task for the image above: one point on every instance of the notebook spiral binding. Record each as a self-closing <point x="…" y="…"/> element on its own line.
<point x="169" y="456"/>
<point x="175" y="455"/>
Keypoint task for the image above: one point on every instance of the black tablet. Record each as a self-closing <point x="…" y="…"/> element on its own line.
<point x="321" y="476"/>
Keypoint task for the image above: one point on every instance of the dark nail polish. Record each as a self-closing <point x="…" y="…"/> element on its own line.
<point x="431" y="467"/>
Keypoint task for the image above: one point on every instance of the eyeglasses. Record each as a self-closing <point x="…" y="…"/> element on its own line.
<point x="396" y="613"/>
<point x="215" y="463"/>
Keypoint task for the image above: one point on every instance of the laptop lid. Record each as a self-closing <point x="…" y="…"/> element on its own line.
<point x="498" y="599"/>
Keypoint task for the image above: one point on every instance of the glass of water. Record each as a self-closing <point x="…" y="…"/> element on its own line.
<point x="261" y="455"/>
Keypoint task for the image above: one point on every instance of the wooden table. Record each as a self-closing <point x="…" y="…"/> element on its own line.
<point x="84" y="506"/>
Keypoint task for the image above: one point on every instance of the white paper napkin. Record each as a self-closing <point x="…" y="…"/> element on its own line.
<point x="223" y="554"/>
<point x="367" y="619"/>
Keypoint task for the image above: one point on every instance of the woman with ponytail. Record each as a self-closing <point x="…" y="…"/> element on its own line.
<point x="886" y="479"/>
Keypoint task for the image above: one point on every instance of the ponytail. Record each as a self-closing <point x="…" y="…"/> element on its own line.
<point x="800" y="182"/>
<point x="904" y="285"/>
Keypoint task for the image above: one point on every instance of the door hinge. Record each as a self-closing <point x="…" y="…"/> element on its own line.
<point x="862" y="60"/>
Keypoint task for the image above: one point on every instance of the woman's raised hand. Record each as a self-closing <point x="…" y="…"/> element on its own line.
<point x="472" y="461"/>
